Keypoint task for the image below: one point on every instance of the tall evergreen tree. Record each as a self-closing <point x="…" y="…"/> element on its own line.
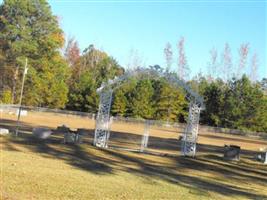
<point x="213" y="95"/>
<point x="142" y="98"/>
<point x="119" y="104"/>
<point x="169" y="102"/>
<point x="83" y="96"/>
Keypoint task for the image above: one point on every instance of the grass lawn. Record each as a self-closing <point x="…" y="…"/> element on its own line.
<point x="33" y="169"/>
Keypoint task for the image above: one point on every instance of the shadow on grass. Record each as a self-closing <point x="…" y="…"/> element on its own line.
<point x="74" y="155"/>
<point x="170" y="174"/>
<point x="107" y="161"/>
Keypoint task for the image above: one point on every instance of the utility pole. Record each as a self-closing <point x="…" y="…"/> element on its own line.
<point x="21" y="94"/>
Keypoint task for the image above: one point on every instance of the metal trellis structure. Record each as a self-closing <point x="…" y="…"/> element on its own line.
<point x="103" y="120"/>
<point x="191" y="131"/>
<point x="103" y="123"/>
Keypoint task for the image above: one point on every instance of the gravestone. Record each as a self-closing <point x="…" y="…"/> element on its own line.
<point x="79" y="135"/>
<point x="262" y="156"/>
<point x="69" y="137"/>
<point x="232" y="152"/>
<point x="4" y="131"/>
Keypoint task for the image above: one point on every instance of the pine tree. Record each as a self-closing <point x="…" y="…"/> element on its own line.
<point x="142" y="98"/>
<point x="213" y="95"/>
<point x="169" y="102"/>
<point x="119" y="105"/>
<point x="243" y="102"/>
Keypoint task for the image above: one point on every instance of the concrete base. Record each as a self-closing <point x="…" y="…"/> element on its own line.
<point x="4" y="131"/>
<point x="72" y="138"/>
<point x="22" y="113"/>
<point x="41" y="133"/>
<point x="188" y="149"/>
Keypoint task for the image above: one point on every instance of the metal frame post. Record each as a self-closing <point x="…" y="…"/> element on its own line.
<point x="102" y="130"/>
<point x="145" y="137"/>
<point x="191" y="131"/>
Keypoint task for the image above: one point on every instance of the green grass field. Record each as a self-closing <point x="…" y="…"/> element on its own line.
<point x="39" y="170"/>
<point x="33" y="169"/>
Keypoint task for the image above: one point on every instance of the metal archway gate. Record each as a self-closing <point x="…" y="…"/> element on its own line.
<point x="190" y="134"/>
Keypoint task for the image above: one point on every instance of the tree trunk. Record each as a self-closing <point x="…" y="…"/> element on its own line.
<point x="15" y="77"/>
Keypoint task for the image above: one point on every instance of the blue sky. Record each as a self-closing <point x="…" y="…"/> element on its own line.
<point x="146" y="27"/>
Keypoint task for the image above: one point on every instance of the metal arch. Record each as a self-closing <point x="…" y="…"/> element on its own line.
<point x="171" y="78"/>
<point x="192" y="95"/>
<point x="190" y="134"/>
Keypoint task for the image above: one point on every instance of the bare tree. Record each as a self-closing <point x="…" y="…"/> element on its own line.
<point x="72" y="51"/>
<point x="227" y="64"/>
<point x="183" y="69"/>
<point x="254" y="67"/>
<point x="213" y="64"/>
<point x="168" y="56"/>
<point x="135" y="60"/>
<point x="243" y="54"/>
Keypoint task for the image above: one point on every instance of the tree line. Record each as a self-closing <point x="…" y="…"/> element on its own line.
<point x="62" y="76"/>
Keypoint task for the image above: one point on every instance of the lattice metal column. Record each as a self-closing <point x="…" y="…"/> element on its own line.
<point x="145" y="137"/>
<point x="191" y="131"/>
<point x="102" y="129"/>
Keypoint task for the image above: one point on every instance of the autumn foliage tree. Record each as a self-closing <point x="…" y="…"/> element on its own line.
<point x="87" y="74"/>
<point x="29" y="29"/>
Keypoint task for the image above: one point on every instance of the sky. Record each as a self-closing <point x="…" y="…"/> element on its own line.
<point x="145" y="26"/>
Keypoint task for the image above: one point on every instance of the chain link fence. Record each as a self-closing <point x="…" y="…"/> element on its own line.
<point x="126" y="133"/>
